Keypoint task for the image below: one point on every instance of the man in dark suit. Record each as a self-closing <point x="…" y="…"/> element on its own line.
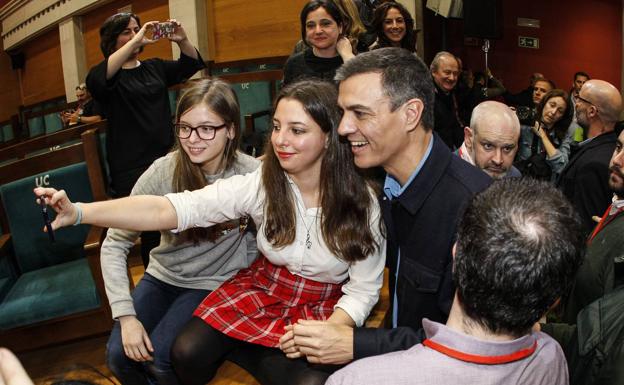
<point x="585" y="179"/>
<point x="387" y="96"/>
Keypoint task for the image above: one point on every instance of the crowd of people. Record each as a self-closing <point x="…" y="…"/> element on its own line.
<point x="498" y="212"/>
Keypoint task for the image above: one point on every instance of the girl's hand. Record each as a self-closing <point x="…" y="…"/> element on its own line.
<point x="179" y="34"/>
<point x="287" y="343"/>
<point x="136" y="342"/>
<point x="66" y="212"/>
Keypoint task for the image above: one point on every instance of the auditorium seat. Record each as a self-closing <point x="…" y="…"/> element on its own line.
<point x="58" y="285"/>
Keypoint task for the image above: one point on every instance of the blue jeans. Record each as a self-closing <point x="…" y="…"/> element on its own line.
<point x="163" y="310"/>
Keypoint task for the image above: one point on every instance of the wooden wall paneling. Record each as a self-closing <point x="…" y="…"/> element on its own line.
<point x="147" y="10"/>
<point x="242" y="29"/>
<point x="10" y="95"/>
<point x="42" y="77"/>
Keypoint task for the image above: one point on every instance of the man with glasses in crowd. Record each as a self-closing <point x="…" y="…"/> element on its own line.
<point x="87" y="110"/>
<point x="585" y="179"/>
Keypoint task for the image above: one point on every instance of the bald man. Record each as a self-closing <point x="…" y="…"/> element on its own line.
<point x="585" y="179"/>
<point x="491" y="141"/>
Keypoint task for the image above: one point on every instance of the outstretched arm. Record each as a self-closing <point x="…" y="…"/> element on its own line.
<point x="140" y="213"/>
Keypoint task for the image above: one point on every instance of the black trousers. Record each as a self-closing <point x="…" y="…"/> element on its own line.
<point x="199" y="350"/>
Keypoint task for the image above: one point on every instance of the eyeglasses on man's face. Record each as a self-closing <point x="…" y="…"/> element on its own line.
<point x="578" y="98"/>
<point x="204" y="132"/>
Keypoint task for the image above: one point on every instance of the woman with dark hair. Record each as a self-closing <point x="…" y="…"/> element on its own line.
<point x="544" y="147"/>
<point x="319" y="235"/>
<point x="323" y="30"/>
<point x="185" y="267"/>
<point x="135" y="100"/>
<point x="134" y="95"/>
<point x="394" y="26"/>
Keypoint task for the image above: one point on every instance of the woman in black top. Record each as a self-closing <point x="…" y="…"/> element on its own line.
<point x="322" y="28"/>
<point x="135" y="98"/>
<point x="134" y="95"/>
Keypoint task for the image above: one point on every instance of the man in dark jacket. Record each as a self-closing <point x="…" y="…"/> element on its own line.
<point x="593" y="339"/>
<point x="445" y="70"/>
<point x="387" y="96"/>
<point x="584" y="180"/>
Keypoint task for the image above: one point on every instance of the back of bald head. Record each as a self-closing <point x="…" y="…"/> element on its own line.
<point x="606" y="97"/>
<point x="497" y="113"/>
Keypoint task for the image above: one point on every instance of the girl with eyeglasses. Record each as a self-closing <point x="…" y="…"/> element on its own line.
<point x="185" y="266"/>
<point x="319" y="236"/>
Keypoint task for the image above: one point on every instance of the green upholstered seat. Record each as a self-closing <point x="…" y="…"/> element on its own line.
<point x="36" y="126"/>
<point x="225" y="70"/>
<point x="5" y="286"/>
<point x="173" y="101"/>
<point x="52" y="122"/>
<point x="49" y="293"/>
<point x="254" y="97"/>
<point x="8" y="275"/>
<point x="7" y="132"/>
<point x="55" y="278"/>
<point x="31" y="245"/>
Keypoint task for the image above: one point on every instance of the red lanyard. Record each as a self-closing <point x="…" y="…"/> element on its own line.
<point x="605" y="220"/>
<point x="477" y="359"/>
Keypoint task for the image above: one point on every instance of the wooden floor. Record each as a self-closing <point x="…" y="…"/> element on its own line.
<point x="83" y="360"/>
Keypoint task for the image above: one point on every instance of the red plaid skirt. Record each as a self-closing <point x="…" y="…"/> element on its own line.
<point x="257" y="303"/>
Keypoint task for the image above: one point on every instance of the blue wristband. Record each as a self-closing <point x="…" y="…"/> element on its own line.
<point x="79" y="217"/>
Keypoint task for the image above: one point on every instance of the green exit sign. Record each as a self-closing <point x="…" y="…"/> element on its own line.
<point x="528" y="42"/>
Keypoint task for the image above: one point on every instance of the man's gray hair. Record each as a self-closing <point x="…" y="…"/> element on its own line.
<point x="435" y="63"/>
<point x="404" y="76"/>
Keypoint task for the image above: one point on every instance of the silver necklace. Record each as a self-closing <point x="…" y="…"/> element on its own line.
<point x="308" y="242"/>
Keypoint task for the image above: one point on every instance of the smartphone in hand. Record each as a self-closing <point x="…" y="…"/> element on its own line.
<point x="163" y="30"/>
<point x="46" y="218"/>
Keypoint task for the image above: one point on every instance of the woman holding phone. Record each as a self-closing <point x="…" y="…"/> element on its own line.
<point x="134" y="96"/>
<point x="323" y="29"/>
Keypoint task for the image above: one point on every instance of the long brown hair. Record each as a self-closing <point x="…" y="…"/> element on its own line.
<point x="345" y="199"/>
<point x="560" y="127"/>
<point x="221" y="99"/>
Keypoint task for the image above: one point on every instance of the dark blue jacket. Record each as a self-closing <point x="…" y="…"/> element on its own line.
<point x="422" y="223"/>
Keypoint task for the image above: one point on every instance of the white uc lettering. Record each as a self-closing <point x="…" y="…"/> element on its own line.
<point x="43" y="180"/>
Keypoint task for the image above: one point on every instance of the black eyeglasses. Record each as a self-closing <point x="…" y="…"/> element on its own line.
<point x="204" y="132"/>
<point x="578" y="97"/>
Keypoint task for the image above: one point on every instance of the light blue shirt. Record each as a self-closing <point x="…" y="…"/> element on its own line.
<point x="393" y="189"/>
